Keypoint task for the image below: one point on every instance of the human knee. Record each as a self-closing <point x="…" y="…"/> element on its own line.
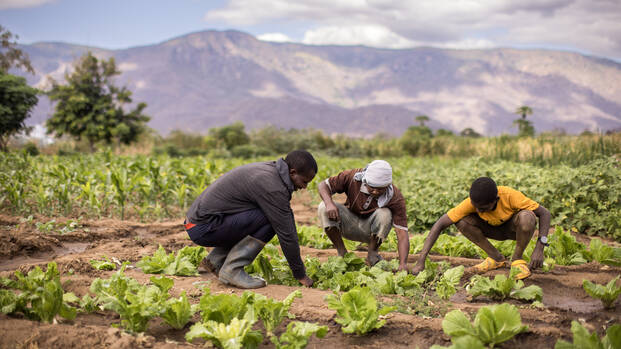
<point x="383" y="216"/>
<point x="321" y="209"/>
<point x="468" y="228"/>
<point x="465" y="224"/>
<point x="526" y="221"/>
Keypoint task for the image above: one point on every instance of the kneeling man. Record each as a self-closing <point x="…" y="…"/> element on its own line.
<point x="499" y="213"/>
<point x="373" y="206"/>
<point x="242" y="210"/>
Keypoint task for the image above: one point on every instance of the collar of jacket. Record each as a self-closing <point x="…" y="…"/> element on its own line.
<point x="283" y="171"/>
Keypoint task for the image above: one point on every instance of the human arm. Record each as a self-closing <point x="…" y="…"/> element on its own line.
<point x="403" y="247"/>
<point x="275" y="206"/>
<point x="326" y="195"/>
<point x="536" y="259"/>
<point x="437" y="228"/>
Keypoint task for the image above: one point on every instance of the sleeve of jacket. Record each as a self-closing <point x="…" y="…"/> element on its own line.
<point x="276" y="207"/>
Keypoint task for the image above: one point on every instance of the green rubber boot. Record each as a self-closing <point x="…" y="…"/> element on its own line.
<point x="242" y="254"/>
<point x="214" y="260"/>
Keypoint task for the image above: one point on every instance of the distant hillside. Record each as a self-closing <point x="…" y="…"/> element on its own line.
<point x="212" y="78"/>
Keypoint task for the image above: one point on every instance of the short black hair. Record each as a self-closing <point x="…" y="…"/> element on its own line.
<point x="483" y="191"/>
<point x="302" y="161"/>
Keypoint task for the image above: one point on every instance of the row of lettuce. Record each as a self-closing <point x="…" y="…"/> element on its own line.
<point x="586" y="198"/>
<point x="227" y="320"/>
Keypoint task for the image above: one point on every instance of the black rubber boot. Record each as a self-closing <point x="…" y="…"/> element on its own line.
<point x="242" y="254"/>
<point x="214" y="260"/>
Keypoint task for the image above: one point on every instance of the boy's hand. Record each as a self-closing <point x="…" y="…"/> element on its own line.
<point x="536" y="259"/>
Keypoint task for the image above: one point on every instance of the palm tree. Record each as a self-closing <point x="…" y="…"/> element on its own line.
<point x="524" y="110"/>
<point x="422" y="119"/>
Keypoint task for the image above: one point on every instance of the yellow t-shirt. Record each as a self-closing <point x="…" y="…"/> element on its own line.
<point x="510" y="202"/>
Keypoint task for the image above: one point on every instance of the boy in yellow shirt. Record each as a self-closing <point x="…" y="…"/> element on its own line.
<point x="499" y="213"/>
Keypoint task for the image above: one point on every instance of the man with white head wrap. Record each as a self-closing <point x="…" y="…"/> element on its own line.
<point x="373" y="206"/>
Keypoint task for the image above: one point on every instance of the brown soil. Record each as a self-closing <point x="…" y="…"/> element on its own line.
<point x="22" y="247"/>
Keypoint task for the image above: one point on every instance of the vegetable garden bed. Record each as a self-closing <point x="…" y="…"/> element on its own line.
<point x="416" y="322"/>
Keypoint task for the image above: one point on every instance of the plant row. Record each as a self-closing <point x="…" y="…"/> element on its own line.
<point x="586" y="197"/>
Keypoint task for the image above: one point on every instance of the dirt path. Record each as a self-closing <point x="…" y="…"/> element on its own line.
<point x="22" y="247"/>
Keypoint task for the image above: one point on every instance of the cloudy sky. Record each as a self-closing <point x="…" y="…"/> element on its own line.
<point x="590" y="27"/>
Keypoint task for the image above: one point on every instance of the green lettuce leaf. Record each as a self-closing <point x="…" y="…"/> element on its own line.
<point x="608" y="293"/>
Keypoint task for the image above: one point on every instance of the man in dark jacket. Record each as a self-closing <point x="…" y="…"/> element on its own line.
<point x="243" y="209"/>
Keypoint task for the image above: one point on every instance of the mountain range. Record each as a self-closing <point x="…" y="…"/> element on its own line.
<point x="213" y="78"/>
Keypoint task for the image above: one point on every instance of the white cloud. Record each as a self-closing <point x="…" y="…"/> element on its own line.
<point x="274" y="37"/>
<point x="127" y="66"/>
<point x="8" y="4"/>
<point x="370" y="35"/>
<point x="589" y="26"/>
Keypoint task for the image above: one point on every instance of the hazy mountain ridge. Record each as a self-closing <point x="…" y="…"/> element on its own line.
<point x="211" y="78"/>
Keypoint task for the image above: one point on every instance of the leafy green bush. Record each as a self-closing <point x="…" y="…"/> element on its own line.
<point x="357" y="310"/>
<point x="608" y="293"/>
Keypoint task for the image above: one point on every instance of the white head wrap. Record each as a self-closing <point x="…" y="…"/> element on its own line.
<point x="377" y="174"/>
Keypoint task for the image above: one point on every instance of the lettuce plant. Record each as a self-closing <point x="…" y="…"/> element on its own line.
<point x="225" y="307"/>
<point x="184" y="263"/>
<point x="604" y="254"/>
<point x="565" y="249"/>
<point x="106" y="264"/>
<point x="445" y="288"/>
<point x="583" y="340"/>
<point x="272" y="312"/>
<point x="492" y="325"/>
<point x="234" y="335"/>
<point x="135" y="303"/>
<point x="297" y="335"/>
<point x="503" y="287"/>
<point x="41" y="295"/>
<point x="357" y="310"/>
<point x="608" y="293"/>
<point x="177" y="312"/>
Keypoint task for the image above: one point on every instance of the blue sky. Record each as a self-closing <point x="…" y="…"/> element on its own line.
<point x="586" y="26"/>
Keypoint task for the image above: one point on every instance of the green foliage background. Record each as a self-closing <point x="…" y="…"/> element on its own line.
<point x="585" y="197"/>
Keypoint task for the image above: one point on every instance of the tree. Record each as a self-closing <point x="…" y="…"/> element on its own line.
<point x="16" y="102"/>
<point x="90" y="106"/>
<point x="11" y="56"/>
<point x="422" y="119"/>
<point x="469" y="132"/>
<point x="229" y="136"/>
<point x="525" y="127"/>
<point x="524" y="111"/>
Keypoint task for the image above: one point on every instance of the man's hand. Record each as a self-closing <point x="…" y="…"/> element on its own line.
<point x="306" y="281"/>
<point x="418" y="268"/>
<point x="332" y="211"/>
<point x="536" y="259"/>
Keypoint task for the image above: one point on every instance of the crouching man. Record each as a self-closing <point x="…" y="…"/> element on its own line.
<point x="373" y="206"/>
<point x="498" y="213"/>
<point x="242" y="210"/>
